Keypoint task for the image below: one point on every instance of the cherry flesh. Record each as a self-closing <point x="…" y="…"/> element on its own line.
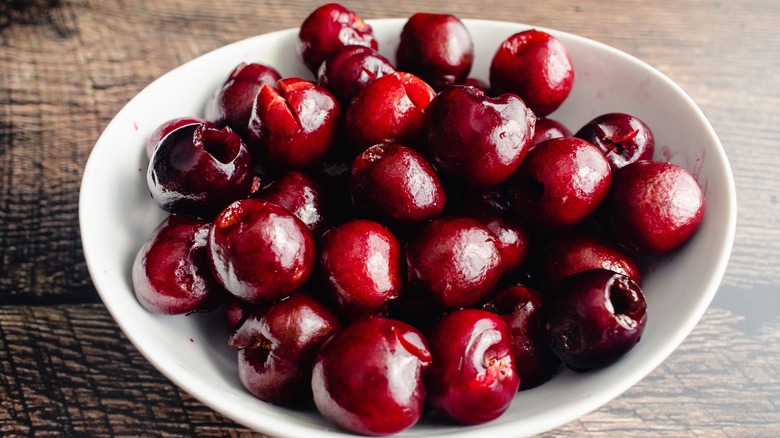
<point x="388" y="110"/>
<point x="521" y="309"/>
<point x="454" y="260"/>
<point x="294" y="125"/>
<point x="396" y="185"/>
<point x="654" y="207"/>
<point x="472" y="377"/>
<point x="259" y="251"/>
<point x="301" y="196"/>
<point x="277" y="347"/>
<point x="577" y="251"/>
<point x="478" y="139"/>
<point x="367" y="379"/>
<point x="329" y="28"/>
<point x="350" y="69"/>
<point x="198" y="170"/>
<point x="437" y="48"/>
<point x="594" y="318"/>
<point x="622" y="138"/>
<point x="171" y="270"/>
<point x="560" y="183"/>
<point x="360" y="265"/>
<point x="231" y="104"/>
<point x="535" y="66"/>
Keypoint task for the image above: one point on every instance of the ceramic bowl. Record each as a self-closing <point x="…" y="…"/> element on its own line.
<point x="117" y="215"/>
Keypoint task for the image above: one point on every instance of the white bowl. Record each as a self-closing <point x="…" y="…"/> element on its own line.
<point x="117" y="215"/>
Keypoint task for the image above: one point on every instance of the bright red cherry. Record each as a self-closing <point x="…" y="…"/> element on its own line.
<point x="259" y="251"/>
<point x="535" y="66"/>
<point x="472" y="377"/>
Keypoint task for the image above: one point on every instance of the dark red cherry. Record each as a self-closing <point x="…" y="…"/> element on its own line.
<point x="521" y="309"/>
<point x="388" y="110"/>
<point x="454" y="260"/>
<point x="513" y="237"/>
<point x="301" y="196"/>
<point x="472" y="377"/>
<point x="260" y="251"/>
<point x="198" y="170"/>
<point x="329" y="28"/>
<point x="171" y="270"/>
<point x="577" y="251"/>
<point x="360" y="264"/>
<point x="367" y="379"/>
<point x="535" y="66"/>
<point x="236" y="310"/>
<point x="350" y="69"/>
<point x="277" y="347"/>
<point x="594" y="318"/>
<point x="478" y="139"/>
<point x="654" y="207"/>
<point x="166" y="129"/>
<point x="294" y="125"/>
<point x="395" y="185"/>
<point x="622" y="138"/>
<point x="437" y="48"/>
<point x="547" y="128"/>
<point x="560" y="183"/>
<point x="231" y="104"/>
<point x="477" y="83"/>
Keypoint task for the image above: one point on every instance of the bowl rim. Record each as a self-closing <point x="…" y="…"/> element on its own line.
<point x="281" y="425"/>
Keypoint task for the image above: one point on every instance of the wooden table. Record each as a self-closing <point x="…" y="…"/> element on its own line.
<point x="67" y="66"/>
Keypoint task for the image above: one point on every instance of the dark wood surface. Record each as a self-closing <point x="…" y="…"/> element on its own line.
<point x="67" y="66"/>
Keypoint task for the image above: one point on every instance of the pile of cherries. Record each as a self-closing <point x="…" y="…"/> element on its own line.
<point x="398" y="238"/>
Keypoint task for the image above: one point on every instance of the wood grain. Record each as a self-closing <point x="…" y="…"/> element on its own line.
<point x="67" y="67"/>
<point x="68" y="370"/>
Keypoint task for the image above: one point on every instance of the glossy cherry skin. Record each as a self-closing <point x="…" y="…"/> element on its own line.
<point x="388" y="110"/>
<point x="477" y="83"/>
<point x="535" y="66"/>
<point x="437" y="48"/>
<point x="231" y="104"/>
<point x="166" y="129"/>
<point x="513" y="237"/>
<point x="236" y="310"/>
<point x="171" y="270"/>
<point x="622" y="138"/>
<point x="594" y="318"/>
<point x="198" y="170"/>
<point x="277" y="347"/>
<point x="454" y="260"/>
<point x="547" y="128"/>
<point x="521" y="308"/>
<point x="577" y="251"/>
<point x="294" y="125"/>
<point x="300" y="195"/>
<point x="653" y="208"/>
<point x="396" y="185"/>
<point x="329" y="28"/>
<point x="478" y="139"/>
<point x="259" y="251"/>
<point x="472" y="378"/>
<point x="560" y="183"/>
<point x="350" y="69"/>
<point x="367" y="379"/>
<point x="360" y="264"/>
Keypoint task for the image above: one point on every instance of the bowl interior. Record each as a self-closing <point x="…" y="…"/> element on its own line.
<point x="117" y="215"/>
